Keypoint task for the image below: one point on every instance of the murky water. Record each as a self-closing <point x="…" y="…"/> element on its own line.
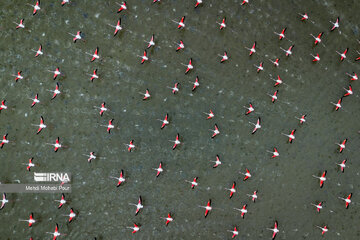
<point x="285" y="185"/>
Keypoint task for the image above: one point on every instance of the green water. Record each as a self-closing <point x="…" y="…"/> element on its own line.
<point x="285" y="185"/>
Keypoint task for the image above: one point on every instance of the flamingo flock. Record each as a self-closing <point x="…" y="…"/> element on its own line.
<point x="216" y="188"/>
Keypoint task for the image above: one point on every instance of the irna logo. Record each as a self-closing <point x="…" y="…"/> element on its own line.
<point x="52" y="177"/>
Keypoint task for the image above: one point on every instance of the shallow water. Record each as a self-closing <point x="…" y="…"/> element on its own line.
<point x="285" y="185"/>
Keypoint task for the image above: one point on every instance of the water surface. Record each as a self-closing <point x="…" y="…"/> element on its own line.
<point x="285" y="185"/>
